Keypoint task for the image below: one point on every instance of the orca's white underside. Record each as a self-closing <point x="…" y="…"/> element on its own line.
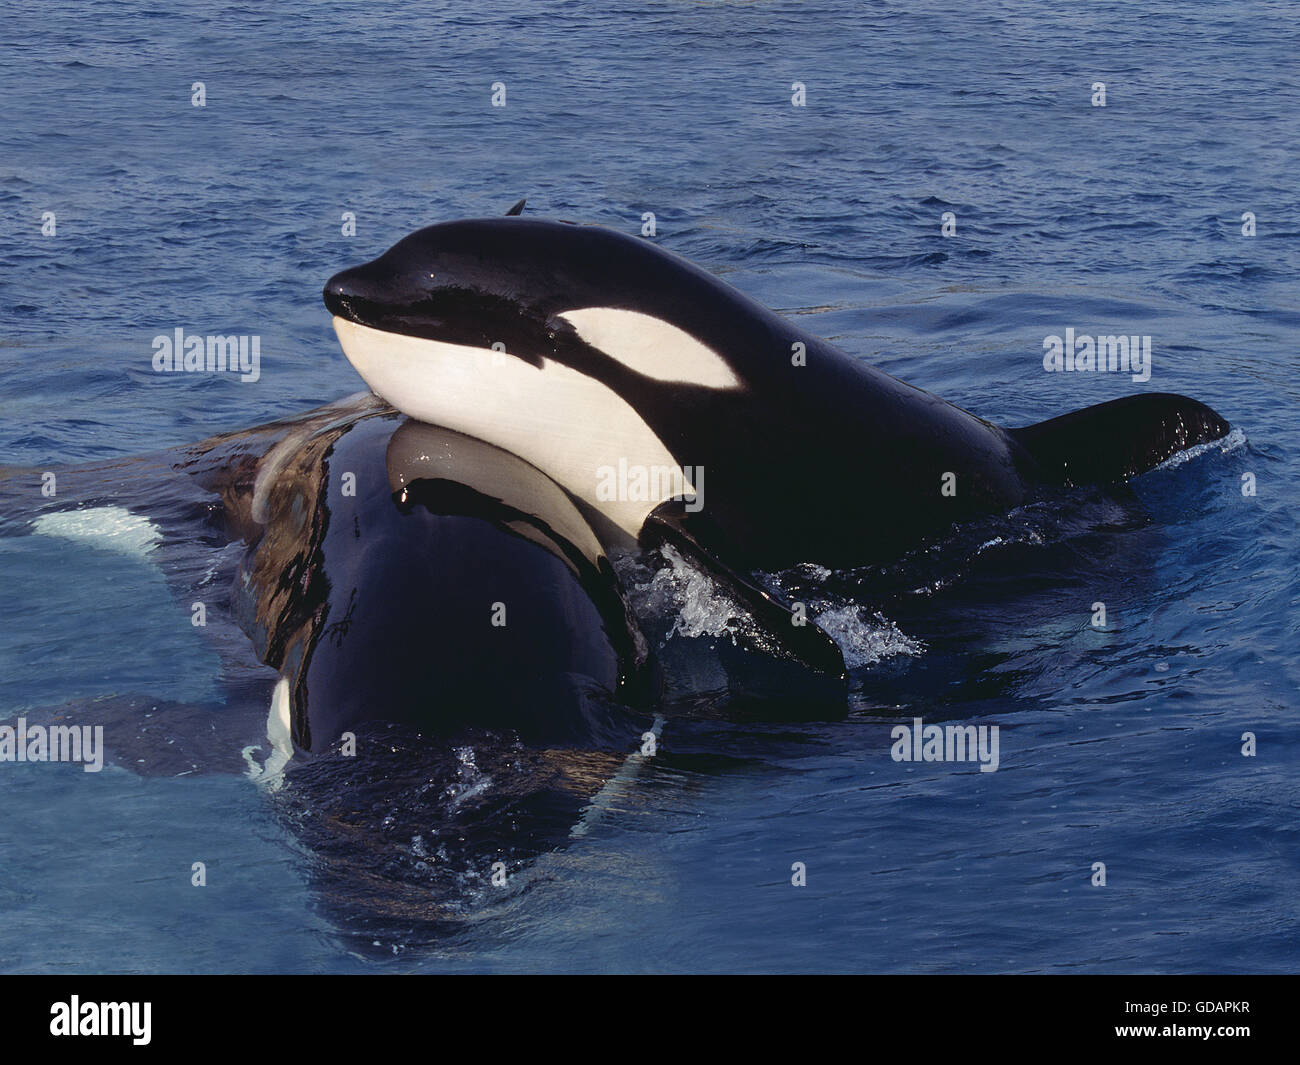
<point x="568" y="425"/>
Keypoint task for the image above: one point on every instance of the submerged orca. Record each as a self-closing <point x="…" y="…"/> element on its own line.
<point x="590" y="353"/>
<point x="407" y="573"/>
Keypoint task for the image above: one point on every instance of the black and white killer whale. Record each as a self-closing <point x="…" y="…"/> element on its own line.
<point x="586" y="351"/>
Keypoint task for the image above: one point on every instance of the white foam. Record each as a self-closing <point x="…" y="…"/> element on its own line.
<point x="109" y="528"/>
<point x="865" y="641"/>
<point x="1231" y="442"/>
<point x="699" y="607"/>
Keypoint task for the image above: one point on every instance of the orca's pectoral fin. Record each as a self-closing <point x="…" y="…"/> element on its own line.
<point x="517" y="208"/>
<point x="792" y="632"/>
<point x="1113" y="441"/>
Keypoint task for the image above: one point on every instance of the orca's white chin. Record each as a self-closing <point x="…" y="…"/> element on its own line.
<point x="570" y="426"/>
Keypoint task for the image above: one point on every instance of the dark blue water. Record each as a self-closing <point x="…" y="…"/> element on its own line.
<point x="1120" y="746"/>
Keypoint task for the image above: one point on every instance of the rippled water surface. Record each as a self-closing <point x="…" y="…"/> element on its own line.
<point x="1121" y="746"/>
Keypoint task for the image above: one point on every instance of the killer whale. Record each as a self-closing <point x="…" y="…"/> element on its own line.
<point x="453" y="584"/>
<point x="583" y="350"/>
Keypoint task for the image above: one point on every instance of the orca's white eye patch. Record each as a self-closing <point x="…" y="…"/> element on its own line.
<point x="651" y="346"/>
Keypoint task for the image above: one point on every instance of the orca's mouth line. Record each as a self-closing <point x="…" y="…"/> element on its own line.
<point x="387" y="319"/>
<point x="361" y="311"/>
<point x="450" y="316"/>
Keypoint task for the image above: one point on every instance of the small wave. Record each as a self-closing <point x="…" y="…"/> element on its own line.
<point x="1027" y="535"/>
<point x="1231" y="442"/>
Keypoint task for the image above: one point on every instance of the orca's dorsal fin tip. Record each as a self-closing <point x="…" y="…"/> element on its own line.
<point x="517" y="208"/>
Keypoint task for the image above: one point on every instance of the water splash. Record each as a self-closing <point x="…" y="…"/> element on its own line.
<point x="1234" y="440"/>
<point x="864" y="640"/>
<point x="677" y="599"/>
<point x="470" y="781"/>
<point x="691" y="602"/>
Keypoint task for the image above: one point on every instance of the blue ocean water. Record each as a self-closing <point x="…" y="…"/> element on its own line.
<point x="1120" y="746"/>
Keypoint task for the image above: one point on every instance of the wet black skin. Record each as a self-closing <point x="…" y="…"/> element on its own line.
<point x="832" y="462"/>
<point x="379" y="606"/>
